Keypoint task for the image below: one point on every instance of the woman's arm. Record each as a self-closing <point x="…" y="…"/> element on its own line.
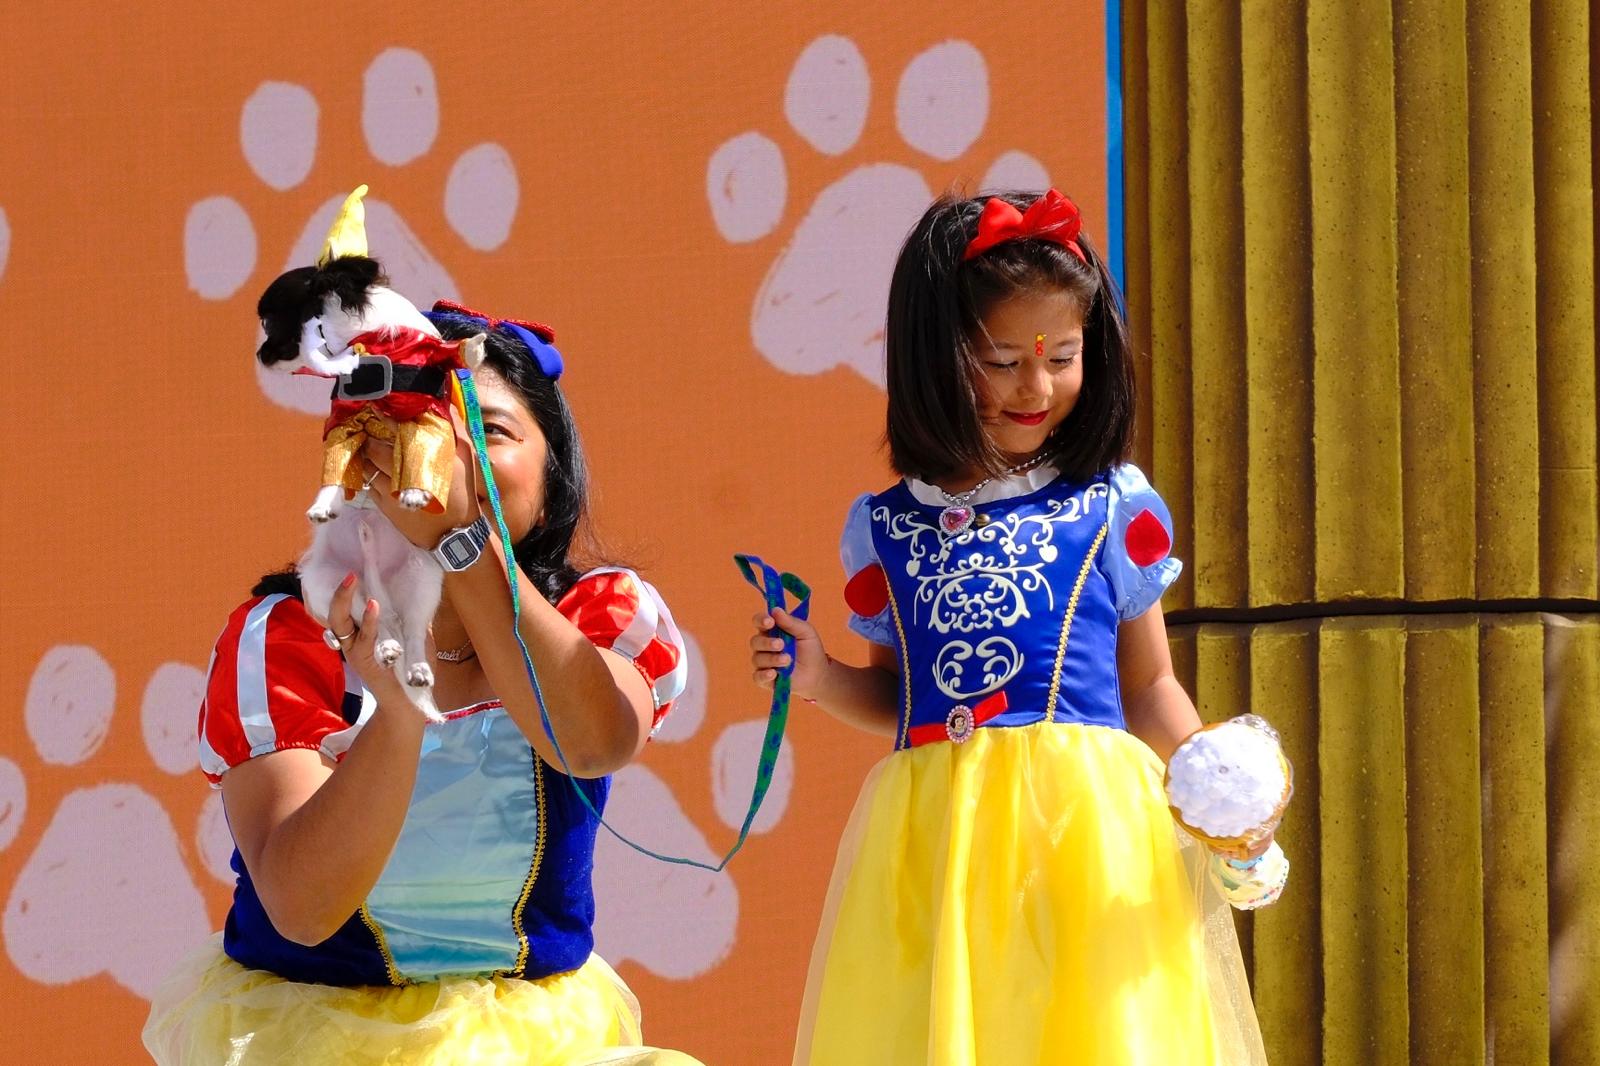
<point x="861" y="696"/>
<point x="600" y="705"/>
<point x="1157" y="709"/>
<point x="315" y="840"/>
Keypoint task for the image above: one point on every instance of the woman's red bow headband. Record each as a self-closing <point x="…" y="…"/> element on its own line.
<point x="1052" y="217"/>
<point x="537" y="337"/>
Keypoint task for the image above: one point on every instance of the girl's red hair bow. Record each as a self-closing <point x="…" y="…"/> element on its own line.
<point x="1052" y="217"/>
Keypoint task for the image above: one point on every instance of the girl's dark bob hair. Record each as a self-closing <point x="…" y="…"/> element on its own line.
<point x="937" y="303"/>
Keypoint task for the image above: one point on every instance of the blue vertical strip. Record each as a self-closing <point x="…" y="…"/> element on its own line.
<point x="1115" y="236"/>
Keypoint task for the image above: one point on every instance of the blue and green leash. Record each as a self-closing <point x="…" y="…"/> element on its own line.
<point x="774" y="587"/>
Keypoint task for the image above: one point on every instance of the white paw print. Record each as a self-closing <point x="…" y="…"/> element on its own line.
<point x="107" y="888"/>
<point x="678" y="921"/>
<point x="823" y="301"/>
<point x="400" y="121"/>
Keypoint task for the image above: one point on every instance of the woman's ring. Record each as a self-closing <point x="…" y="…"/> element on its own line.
<point x="334" y="640"/>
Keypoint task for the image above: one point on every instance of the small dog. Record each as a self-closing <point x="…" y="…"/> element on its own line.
<point x="340" y="320"/>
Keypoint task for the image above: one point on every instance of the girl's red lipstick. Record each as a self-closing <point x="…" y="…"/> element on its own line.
<point x="1027" y="420"/>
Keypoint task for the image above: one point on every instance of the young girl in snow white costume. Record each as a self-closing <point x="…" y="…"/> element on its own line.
<point x="1012" y="887"/>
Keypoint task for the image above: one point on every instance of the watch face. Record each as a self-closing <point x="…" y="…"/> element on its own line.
<point x="458" y="550"/>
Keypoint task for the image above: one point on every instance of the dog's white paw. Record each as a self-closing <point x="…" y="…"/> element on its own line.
<point x="419" y="675"/>
<point x="387" y="652"/>
<point x="326" y="504"/>
<point x="413" y="499"/>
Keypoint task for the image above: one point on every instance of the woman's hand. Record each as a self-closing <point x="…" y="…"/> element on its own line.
<point x="359" y="644"/>
<point x="767" y="655"/>
<point x="421" y="528"/>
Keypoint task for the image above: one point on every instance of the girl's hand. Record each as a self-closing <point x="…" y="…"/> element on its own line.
<point x="1243" y="854"/>
<point x="359" y="644"/>
<point x="421" y="528"/>
<point x="767" y="656"/>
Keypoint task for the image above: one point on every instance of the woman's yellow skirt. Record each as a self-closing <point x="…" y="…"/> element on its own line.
<point x="1024" y="897"/>
<point x="211" y="1011"/>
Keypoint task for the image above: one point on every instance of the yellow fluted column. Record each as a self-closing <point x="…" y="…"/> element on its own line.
<point x="1564" y="197"/>
<point x="1361" y="758"/>
<point x="1277" y="304"/>
<point x="1356" y="358"/>
<point x="1500" y="130"/>
<point x="1516" y="922"/>
<point x="1382" y="214"/>
<point x="1439" y="472"/>
<point x="1222" y="690"/>
<point x="1445" y="842"/>
<point x="1216" y="303"/>
<point x="1287" y="955"/>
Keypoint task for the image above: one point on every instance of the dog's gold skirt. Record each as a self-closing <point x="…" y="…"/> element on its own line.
<point x="423" y="452"/>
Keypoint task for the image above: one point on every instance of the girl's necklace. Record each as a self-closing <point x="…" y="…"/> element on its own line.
<point x="958" y="513"/>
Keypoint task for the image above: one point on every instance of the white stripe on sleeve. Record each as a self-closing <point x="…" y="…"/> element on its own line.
<point x="254" y="715"/>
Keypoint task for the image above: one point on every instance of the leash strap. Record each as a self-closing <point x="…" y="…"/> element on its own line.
<point x="774" y="587"/>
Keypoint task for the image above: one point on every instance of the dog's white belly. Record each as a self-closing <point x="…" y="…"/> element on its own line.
<point x="398" y="562"/>
<point x="405" y="580"/>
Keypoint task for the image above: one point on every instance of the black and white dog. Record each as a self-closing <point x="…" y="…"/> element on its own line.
<point x="340" y="320"/>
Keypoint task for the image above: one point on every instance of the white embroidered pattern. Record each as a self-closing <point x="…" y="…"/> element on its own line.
<point x="978" y="582"/>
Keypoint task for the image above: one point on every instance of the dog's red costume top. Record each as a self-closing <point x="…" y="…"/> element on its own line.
<point x="402" y="347"/>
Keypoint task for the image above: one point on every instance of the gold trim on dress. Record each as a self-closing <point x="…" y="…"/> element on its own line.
<point x="904" y="739"/>
<point x="1066" y="624"/>
<point x="533" y="872"/>
<point x="395" y="977"/>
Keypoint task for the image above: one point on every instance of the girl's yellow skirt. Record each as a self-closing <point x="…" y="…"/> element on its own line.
<point x="1024" y="897"/>
<point x="211" y="1011"/>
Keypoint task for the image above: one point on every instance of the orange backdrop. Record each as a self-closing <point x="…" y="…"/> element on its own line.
<point x="704" y="199"/>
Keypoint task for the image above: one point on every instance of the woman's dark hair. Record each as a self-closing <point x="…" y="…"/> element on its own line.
<point x="937" y="303"/>
<point x="546" y="553"/>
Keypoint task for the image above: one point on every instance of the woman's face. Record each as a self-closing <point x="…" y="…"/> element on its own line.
<point x="517" y="453"/>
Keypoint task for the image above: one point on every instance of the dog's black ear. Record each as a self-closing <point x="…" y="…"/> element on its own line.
<point x="349" y="277"/>
<point x="286" y="306"/>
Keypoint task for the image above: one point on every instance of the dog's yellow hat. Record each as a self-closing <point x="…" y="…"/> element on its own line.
<point x="348" y="234"/>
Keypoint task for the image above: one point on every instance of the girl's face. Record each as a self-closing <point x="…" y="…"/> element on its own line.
<point x="1031" y="350"/>
<point x="517" y="454"/>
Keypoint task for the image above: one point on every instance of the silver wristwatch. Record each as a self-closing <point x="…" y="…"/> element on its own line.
<point x="460" y="548"/>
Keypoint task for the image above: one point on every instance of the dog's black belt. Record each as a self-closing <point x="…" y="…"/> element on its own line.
<point x="368" y="380"/>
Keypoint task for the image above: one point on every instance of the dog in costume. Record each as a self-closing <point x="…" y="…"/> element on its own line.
<point x="394" y="381"/>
